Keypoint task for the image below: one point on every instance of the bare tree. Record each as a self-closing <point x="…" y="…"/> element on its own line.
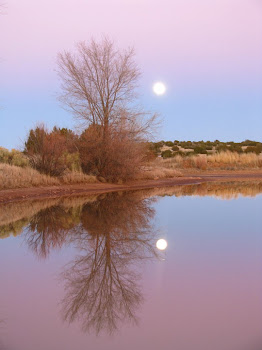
<point x="99" y="86"/>
<point x="99" y="82"/>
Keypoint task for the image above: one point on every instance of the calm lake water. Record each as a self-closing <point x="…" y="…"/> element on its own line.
<point x="84" y="272"/>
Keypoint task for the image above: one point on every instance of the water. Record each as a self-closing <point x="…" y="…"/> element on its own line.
<point x="85" y="273"/>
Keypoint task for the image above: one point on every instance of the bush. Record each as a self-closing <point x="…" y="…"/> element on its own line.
<point x="45" y="151"/>
<point x="72" y="161"/>
<point x="13" y="157"/>
<point x="235" y="148"/>
<point x="221" y="147"/>
<point x="175" y="148"/>
<point x="169" y="143"/>
<point x="200" y="150"/>
<point x="249" y="143"/>
<point x="154" y="148"/>
<point x="167" y="154"/>
<point x="255" y="149"/>
<point x="115" y="157"/>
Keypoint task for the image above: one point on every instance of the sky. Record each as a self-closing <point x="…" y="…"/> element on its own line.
<point x="208" y="53"/>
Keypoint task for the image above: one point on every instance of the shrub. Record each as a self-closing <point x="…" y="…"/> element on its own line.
<point x="255" y="149"/>
<point x="221" y="147"/>
<point x="200" y="150"/>
<point x="167" y="154"/>
<point x="169" y="143"/>
<point x="115" y="157"/>
<point x="235" y="148"/>
<point x="72" y="161"/>
<point x="249" y="143"/>
<point x="13" y="157"/>
<point x="175" y="148"/>
<point x="52" y="152"/>
<point x="154" y="148"/>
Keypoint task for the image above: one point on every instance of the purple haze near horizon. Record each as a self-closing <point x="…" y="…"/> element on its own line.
<point x="208" y="53"/>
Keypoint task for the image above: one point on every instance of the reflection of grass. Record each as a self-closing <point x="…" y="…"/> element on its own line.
<point x="2" y="323"/>
<point x="15" y="216"/>
<point x="222" y="190"/>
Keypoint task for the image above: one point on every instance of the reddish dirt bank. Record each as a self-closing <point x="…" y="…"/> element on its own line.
<point x="66" y="190"/>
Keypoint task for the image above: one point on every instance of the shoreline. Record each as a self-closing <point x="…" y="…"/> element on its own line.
<point x="23" y="194"/>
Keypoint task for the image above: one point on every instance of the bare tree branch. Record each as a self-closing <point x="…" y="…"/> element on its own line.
<point x="99" y="82"/>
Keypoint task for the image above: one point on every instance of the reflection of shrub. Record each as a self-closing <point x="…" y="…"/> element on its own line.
<point x="167" y="154"/>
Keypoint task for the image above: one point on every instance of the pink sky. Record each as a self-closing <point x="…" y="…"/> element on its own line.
<point x="221" y="39"/>
<point x="191" y="45"/>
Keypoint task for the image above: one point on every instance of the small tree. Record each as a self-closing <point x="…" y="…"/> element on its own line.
<point x="117" y="157"/>
<point x="45" y="150"/>
<point x="99" y="87"/>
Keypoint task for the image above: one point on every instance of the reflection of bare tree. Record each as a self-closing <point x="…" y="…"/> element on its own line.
<point x="2" y="322"/>
<point x="102" y="284"/>
<point x="101" y="289"/>
<point x="114" y="234"/>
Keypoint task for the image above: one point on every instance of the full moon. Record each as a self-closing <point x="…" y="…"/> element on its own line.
<point x="159" y="88"/>
<point x="161" y="244"/>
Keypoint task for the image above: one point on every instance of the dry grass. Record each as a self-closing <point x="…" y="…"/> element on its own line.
<point x="155" y="172"/>
<point x="75" y="177"/>
<point x="236" y="159"/>
<point x="223" y="160"/>
<point x="15" y="177"/>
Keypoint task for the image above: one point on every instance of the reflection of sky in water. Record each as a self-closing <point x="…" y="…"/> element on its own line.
<point x="205" y="295"/>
